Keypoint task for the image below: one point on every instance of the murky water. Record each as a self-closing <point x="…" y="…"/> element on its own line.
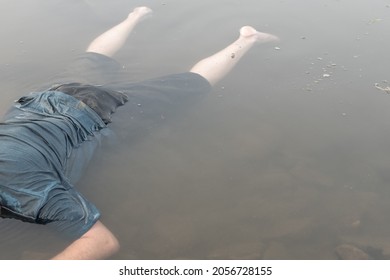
<point x="288" y="158"/>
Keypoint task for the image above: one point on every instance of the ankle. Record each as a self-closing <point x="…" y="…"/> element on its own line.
<point x="251" y="35"/>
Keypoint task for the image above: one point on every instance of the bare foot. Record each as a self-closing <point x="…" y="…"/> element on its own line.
<point x="140" y="12"/>
<point x="251" y="34"/>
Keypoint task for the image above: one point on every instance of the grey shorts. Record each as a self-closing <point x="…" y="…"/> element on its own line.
<point x="151" y="102"/>
<point x="97" y="69"/>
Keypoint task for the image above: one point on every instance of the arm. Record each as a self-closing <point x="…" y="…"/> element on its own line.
<point x="97" y="243"/>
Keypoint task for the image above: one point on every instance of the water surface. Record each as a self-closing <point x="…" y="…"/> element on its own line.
<point x="287" y="158"/>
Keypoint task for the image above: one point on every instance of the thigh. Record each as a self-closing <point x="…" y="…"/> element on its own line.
<point x="160" y="97"/>
<point x="89" y="68"/>
<point x="152" y="102"/>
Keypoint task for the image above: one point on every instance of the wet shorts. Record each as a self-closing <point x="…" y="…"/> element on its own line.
<point x="149" y="102"/>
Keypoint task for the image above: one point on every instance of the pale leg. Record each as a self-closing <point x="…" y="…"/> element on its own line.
<point x="113" y="39"/>
<point x="217" y="66"/>
<point x="97" y="243"/>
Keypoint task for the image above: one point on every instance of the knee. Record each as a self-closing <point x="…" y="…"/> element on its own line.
<point x="105" y="240"/>
<point x="110" y="244"/>
<point x="113" y="245"/>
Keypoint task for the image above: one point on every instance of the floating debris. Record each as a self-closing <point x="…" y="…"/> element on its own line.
<point x="326" y="75"/>
<point x="277" y="48"/>
<point x="384" y="89"/>
<point x="375" y="20"/>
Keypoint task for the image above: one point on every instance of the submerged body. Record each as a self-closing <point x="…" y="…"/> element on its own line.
<point x="48" y="137"/>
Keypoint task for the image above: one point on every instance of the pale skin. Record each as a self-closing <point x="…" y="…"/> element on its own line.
<point x="99" y="242"/>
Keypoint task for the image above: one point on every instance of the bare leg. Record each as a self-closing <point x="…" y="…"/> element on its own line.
<point x="97" y="243"/>
<point x="217" y="66"/>
<point x="113" y="39"/>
